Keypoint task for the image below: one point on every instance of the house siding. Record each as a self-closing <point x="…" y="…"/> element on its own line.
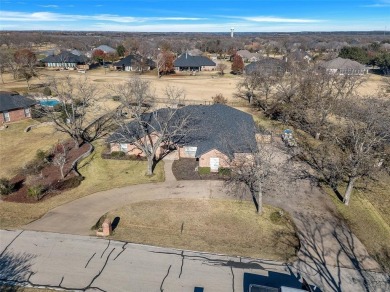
<point x="134" y="150"/>
<point x="15" y="115"/>
<point x="204" y="159"/>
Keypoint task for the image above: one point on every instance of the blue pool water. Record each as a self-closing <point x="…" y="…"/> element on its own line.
<point x="48" y="102"/>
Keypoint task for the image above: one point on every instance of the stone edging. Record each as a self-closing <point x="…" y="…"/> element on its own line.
<point x="86" y="154"/>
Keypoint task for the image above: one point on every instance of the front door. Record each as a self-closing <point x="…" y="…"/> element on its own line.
<point x="214" y="164"/>
<point x="6" y="116"/>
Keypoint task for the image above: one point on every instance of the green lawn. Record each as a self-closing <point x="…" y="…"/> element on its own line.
<point x="219" y="226"/>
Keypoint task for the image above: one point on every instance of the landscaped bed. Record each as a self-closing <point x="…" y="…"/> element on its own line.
<point x="187" y="169"/>
<point x="100" y="174"/>
<point x="220" y="226"/>
<point x="45" y="176"/>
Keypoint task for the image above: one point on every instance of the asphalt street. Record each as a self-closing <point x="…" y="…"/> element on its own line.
<point x="83" y="263"/>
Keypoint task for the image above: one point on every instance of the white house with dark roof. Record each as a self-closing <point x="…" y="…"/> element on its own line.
<point x="66" y="60"/>
<point x="187" y="62"/>
<point x="215" y="135"/>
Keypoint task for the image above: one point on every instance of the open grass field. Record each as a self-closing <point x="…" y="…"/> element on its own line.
<point x="100" y="174"/>
<point x="368" y="216"/>
<point x="218" y="226"/>
<point x="18" y="147"/>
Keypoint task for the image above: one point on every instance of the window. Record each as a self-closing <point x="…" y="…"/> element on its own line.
<point x="27" y="112"/>
<point x="190" y="151"/>
<point x="123" y="147"/>
<point x="6" y="116"/>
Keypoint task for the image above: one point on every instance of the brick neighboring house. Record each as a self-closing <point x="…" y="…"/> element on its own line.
<point x="14" y="107"/>
<point x="215" y="136"/>
<point x="187" y="62"/>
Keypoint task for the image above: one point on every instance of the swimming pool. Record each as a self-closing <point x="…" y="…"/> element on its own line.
<point x="48" y="102"/>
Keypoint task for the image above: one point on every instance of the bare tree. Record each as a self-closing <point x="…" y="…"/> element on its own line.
<point x="60" y="157"/>
<point x="362" y="134"/>
<point x="150" y="131"/>
<point x="252" y="171"/>
<point x="80" y="116"/>
<point x="221" y="67"/>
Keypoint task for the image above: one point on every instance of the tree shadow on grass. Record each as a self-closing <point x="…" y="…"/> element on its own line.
<point x="329" y="257"/>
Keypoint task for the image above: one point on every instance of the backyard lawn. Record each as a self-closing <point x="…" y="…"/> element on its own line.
<point x="218" y="226"/>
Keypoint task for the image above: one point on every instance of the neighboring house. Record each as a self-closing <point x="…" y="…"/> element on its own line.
<point x="267" y="65"/>
<point x="299" y="56"/>
<point x="215" y="135"/>
<point x="195" y="52"/>
<point x="105" y="49"/>
<point x="14" y="107"/>
<point x="66" y="60"/>
<point x="135" y="63"/>
<point x="249" y="57"/>
<point x="344" y="67"/>
<point x="187" y="62"/>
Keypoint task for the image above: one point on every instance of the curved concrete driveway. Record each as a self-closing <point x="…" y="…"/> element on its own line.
<point x="77" y="217"/>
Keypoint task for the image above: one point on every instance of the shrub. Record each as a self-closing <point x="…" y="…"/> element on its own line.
<point x="35" y="191"/>
<point x="277" y="217"/>
<point x="115" y="154"/>
<point x="219" y="98"/>
<point x="204" y="170"/>
<point x="224" y="171"/>
<point x="47" y="91"/>
<point x="40" y="155"/>
<point x="69" y="183"/>
<point x="6" y="187"/>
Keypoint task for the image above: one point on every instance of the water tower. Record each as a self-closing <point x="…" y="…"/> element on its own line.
<point x="232" y="32"/>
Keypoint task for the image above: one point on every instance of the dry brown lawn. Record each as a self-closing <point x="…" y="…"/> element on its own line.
<point x="218" y="226"/>
<point x="18" y="147"/>
<point x="368" y="215"/>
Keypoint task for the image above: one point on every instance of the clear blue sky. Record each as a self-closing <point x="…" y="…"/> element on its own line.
<point x="195" y="15"/>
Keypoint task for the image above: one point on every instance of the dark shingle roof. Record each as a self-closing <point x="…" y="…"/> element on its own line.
<point x="209" y="127"/>
<point x="268" y="64"/>
<point x="187" y="60"/>
<point x="12" y="101"/>
<point x="65" y="57"/>
<point x="133" y="59"/>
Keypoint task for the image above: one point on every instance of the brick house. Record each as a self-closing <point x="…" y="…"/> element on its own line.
<point x="215" y="136"/>
<point x="14" y="107"/>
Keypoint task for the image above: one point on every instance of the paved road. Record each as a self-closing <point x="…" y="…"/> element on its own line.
<point x="94" y="264"/>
